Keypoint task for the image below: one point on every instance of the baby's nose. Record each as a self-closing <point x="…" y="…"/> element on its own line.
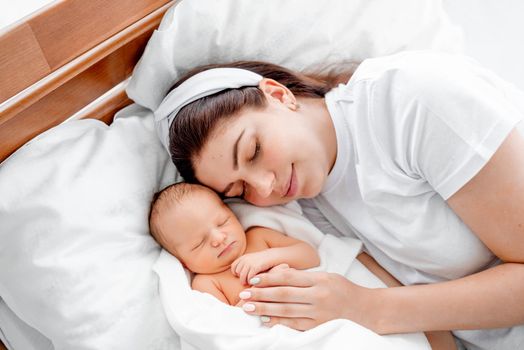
<point x="218" y="237"/>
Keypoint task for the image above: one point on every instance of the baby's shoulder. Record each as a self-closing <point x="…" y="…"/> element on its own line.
<point x="203" y="280"/>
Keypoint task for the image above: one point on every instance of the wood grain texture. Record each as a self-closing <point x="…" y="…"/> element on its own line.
<point x="71" y="27"/>
<point x="105" y="107"/>
<point x="68" y="98"/>
<point x="76" y="84"/>
<point x="60" y="32"/>
<point x="22" y="62"/>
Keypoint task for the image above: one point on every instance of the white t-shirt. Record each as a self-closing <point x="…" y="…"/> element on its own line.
<point x="411" y="130"/>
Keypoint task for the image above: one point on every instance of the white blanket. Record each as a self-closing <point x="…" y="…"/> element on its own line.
<point x="204" y="322"/>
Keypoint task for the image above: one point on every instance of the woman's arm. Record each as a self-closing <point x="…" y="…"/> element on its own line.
<point x="489" y="299"/>
<point x="492" y="204"/>
<point x="439" y="340"/>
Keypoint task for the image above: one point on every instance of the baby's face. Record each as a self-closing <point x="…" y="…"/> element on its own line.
<point x="203" y="233"/>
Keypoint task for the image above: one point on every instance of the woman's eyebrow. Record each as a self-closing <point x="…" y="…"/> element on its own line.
<point x="235" y="150"/>
<point x="235" y="161"/>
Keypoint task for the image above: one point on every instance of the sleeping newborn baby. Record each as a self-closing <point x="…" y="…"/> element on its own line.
<point x="196" y="226"/>
<point x="193" y="224"/>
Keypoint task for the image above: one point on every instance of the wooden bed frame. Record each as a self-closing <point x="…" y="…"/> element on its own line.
<point x="62" y="58"/>
<point x="71" y="57"/>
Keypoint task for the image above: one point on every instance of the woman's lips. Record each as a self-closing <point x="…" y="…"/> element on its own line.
<point x="226" y="249"/>
<point x="293" y="186"/>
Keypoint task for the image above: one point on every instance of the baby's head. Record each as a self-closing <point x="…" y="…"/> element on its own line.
<point x="192" y="223"/>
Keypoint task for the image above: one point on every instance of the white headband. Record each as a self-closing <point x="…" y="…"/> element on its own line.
<point x="200" y="85"/>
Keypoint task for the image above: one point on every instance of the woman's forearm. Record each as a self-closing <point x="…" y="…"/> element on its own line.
<point x="437" y="339"/>
<point x="492" y="298"/>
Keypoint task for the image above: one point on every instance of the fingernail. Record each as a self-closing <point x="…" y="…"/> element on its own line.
<point x="254" y="280"/>
<point x="244" y="295"/>
<point x="265" y="319"/>
<point x="248" y="307"/>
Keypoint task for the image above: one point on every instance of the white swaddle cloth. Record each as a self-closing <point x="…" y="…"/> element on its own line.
<point x="204" y="322"/>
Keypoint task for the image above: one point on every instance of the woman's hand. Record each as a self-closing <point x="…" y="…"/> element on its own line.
<point x="302" y="300"/>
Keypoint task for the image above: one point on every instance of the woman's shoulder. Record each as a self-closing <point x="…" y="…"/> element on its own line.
<point x="423" y="76"/>
<point x="414" y="67"/>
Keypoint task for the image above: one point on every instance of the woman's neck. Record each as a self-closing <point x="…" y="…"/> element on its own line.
<point x="316" y="111"/>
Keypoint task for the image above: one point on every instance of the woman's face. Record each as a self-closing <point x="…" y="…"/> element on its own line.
<point x="268" y="156"/>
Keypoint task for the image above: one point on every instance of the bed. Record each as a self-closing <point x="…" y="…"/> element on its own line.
<point x="49" y="75"/>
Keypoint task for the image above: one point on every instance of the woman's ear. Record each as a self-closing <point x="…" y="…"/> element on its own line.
<point x="278" y="92"/>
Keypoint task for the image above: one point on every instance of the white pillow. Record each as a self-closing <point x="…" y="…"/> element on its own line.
<point x="300" y="34"/>
<point x="76" y="255"/>
<point x="16" y="334"/>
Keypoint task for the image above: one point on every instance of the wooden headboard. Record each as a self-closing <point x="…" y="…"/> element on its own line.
<point x="70" y="57"/>
<point x="61" y="59"/>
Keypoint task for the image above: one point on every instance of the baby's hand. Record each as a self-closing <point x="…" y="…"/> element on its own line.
<point x="248" y="265"/>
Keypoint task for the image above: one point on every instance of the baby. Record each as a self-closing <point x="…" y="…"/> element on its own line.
<point x="192" y="223"/>
<point x="195" y="225"/>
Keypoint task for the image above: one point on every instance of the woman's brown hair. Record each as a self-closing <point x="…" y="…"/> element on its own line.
<point x="195" y="122"/>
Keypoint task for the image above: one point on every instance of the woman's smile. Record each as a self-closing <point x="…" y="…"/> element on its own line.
<point x="292" y="186"/>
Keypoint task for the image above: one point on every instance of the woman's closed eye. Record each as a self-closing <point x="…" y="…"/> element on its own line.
<point x="255" y="152"/>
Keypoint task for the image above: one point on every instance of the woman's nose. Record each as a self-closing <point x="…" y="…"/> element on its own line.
<point x="263" y="184"/>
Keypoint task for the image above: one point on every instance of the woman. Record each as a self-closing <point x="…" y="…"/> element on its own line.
<point x="418" y="155"/>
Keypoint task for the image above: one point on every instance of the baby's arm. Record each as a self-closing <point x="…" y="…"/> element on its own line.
<point x="206" y="284"/>
<point x="287" y="250"/>
<point x="439" y="340"/>
<point x="279" y="249"/>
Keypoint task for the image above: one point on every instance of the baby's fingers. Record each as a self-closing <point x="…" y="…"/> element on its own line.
<point x="252" y="273"/>
<point x="243" y="275"/>
<point x="234" y="266"/>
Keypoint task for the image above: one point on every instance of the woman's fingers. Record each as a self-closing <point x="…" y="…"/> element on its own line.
<point x="283" y="294"/>
<point x="301" y="324"/>
<point x="290" y="297"/>
<point x="283" y="277"/>
<point x="250" y="275"/>
<point x="276" y="309"/>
